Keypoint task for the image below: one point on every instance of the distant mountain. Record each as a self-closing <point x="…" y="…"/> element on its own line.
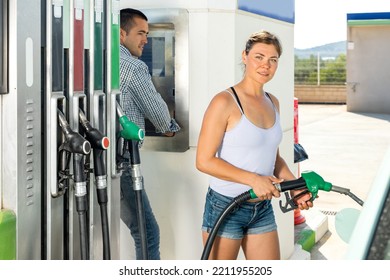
<point x="329" y="50"/>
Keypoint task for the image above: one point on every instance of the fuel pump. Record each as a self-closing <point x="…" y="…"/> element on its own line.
<point x="76" y="145"/>
<point x="309" y="182"/>
<point x="133" y="134"/>
<point x="99" y="144"/>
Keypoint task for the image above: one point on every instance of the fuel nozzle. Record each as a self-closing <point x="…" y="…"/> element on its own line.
<point x="130" y="130"/>
<point x="309" y="182"/>
<point x="99" y="143"/>
<point x="74" y="142"/>
<point x="93" y="135"/>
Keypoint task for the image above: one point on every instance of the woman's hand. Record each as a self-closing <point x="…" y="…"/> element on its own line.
<point x="303" y="202"/>
<point x="264" y="188"/>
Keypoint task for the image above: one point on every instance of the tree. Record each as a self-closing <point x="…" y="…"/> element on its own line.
<point x="332" y="71"/>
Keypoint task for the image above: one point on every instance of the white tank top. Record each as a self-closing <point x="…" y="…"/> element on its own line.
<point x="248" y="147"/>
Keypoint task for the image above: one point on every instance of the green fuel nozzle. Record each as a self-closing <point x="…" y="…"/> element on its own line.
<point x="309" y="182"/>
<point x="130" y="130"/>
<point x="315" y="183"/>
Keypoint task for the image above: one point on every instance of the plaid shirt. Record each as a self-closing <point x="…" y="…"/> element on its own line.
<point x="139" y="98"/>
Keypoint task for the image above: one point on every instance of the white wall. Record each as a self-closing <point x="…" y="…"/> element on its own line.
<point x="368" y="66"/>
<point x="176" y="189"/>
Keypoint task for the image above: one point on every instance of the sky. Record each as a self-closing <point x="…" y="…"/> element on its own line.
<point x="320" y="22"/>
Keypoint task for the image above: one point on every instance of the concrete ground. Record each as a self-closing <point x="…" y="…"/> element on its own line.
<point x="346" y="149"/>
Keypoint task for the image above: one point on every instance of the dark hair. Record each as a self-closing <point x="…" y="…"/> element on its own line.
<point x="127" y="18"/>
<point x="264" y="37"/>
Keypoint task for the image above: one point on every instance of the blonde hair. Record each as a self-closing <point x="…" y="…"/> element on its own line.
<point x="264" y="37"/>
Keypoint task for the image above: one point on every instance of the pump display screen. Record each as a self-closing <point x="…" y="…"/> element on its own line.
<point x="154" y="56"/>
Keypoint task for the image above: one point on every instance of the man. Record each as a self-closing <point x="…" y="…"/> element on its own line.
<point x="139" y="99"/>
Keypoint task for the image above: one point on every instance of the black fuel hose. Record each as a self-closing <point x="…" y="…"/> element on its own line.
<point x="81" y="203"/>
<point x="142" y="225"/>
<point x="138" y="188"/>
<point x="100" y="144"/>
<point x="228" y="209"/>
<point x="81" y="206"/>
<point x="102" y="198"/>
<point x="76" y="144"/>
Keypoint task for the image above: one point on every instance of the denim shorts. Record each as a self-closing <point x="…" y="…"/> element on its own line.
<point x="247" y="218"/>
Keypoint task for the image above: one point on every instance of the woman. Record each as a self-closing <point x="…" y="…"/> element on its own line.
<point x="238" y="146"/>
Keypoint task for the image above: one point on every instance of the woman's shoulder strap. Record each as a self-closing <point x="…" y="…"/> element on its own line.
<point x="235" y="96"/>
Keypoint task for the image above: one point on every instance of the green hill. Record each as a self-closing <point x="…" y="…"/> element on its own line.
<point x="328" y="50"/>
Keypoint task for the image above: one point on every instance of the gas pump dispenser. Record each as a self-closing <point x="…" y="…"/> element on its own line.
<point x="21" y="128"/>
<point x="55" y="177"/>
<point x="76" y="102"/>
<point x="111" y="91"/>
<point x="59" y="81"/>
<point x="95" y="128"/>
<point x="73" y="35"/>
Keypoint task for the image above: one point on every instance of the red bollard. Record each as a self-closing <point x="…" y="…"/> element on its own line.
<point x="298" y="218"/>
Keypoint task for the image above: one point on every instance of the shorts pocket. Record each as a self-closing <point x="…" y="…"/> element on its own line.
<point x="219" y="203"/>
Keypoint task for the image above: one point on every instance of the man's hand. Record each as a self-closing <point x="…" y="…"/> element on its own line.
<point x="169" y="134"/>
